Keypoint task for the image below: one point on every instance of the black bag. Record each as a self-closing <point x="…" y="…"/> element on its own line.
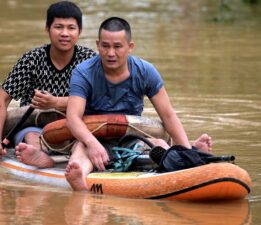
<point x="179" y="157"/>
<point x="175" y="158"/>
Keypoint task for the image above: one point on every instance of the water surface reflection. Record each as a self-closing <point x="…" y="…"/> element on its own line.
<point x="81" y="208"/>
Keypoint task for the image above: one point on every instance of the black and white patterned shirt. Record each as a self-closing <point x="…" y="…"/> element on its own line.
<point x="35" y="70"/>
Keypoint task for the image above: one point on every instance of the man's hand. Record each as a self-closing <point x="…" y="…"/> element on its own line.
<point x="44" y="100"/>
<point x="98" y="156"/>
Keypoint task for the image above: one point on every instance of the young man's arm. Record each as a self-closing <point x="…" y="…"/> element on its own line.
<point x="5" y="100"/>
<point x="169" y="118"/>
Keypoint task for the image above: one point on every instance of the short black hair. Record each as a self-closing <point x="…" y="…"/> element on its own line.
<point x="63" y="9"/>
<point x="116" y="24"/>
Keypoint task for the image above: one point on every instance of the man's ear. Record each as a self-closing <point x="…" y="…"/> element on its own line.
<point x="131" y="46"/>
<point x="97" y="44"/>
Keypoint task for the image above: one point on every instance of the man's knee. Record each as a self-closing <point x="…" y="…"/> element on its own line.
<point x="159" y="142"/>
<point x="22" y="135"/>
<point x="32" y="135"/>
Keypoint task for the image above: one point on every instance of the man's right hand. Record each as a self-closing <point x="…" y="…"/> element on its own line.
<point x="98" y="155"/>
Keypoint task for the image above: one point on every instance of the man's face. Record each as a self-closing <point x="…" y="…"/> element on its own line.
<point x="64" y="33"/>
<point x="114" y="49"/>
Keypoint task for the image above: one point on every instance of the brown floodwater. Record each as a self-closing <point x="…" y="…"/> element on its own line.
<point x="210" y="59"/>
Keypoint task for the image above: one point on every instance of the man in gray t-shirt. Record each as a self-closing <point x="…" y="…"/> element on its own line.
<point x="114" y="82"/>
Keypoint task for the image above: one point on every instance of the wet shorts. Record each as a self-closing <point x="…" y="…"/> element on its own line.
<point x="19" y="137"/>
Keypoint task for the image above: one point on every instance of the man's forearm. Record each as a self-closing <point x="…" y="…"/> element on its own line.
<point x="176" y="130"/>
<point x="80" y="131"/>
<point x="2" y="122"/>
<point x="3" y="115"/>
<point x="61" y="103"/>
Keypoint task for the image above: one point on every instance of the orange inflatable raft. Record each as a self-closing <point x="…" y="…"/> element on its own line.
<point x="215" y="181"/>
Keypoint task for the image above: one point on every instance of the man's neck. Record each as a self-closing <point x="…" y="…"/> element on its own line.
<point x="117" y="76"/>
<point x="60" y="59"/>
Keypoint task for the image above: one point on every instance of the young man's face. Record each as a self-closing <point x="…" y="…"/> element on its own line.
<point x="64" y="33"/>
<point x="114" y="49"/>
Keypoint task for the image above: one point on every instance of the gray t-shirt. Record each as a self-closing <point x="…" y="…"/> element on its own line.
<point x="127" y="97"/>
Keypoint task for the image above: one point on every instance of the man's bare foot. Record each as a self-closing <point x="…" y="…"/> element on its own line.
<point x="29" y="155"/>
<point x="204" y="143"/>
<point x="74" y="175"/>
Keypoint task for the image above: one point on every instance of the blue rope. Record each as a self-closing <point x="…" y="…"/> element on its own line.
<point x="124" y="157"/>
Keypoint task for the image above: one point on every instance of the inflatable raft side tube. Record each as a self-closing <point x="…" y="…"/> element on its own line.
<point x="202" y="185"/>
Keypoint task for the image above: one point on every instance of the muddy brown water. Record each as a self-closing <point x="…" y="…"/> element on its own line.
<point x="210" y="61"/>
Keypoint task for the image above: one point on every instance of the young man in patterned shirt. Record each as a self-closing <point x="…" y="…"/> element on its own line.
<point x="41" y="77"/>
